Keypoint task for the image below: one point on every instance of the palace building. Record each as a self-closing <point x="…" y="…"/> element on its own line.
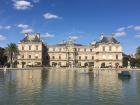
<point x="106" y="52"/>
<point x="32" y="52"/>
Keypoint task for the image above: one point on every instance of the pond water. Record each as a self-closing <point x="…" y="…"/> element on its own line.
<point x="68" y="87"/>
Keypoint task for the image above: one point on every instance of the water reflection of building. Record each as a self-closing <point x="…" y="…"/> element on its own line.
<point x="29" y="79"/>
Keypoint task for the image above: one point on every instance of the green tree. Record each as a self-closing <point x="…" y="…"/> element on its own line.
<point x="138" y="57"/>
<point x="3" y="57"/>
<point x="12" y="51"/>
<point x="138" y="53"/>
<point x="126" y="58"/>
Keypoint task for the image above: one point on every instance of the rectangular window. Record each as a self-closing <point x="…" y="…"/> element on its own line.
<point x="79" y="57"/>
<point x="22" y="47"/>
<point x="110" y="48"/>
<point x="103" y="48"/>
<point x="53" y="49"/>
<point x="90" y="50"/>
<point x="36" y="56"/>
<point x="85" y="49"/>
<point x="22" y="56"/>
<point x="117" y="57"/>
<point x="59" y="63"/>
<point x="29" y="47"/>
<point x="78" y="49"/>
<point x="59" y="49"/>
<point x="59" y="56"/>
<point x="92" y="57"/>
<point x="36" y="47"/>
<point x="74" y="49"/>
<point x="116" y="48"/>
<point x="110" y="56"/>
<point x="79" y="63"/>
<point x="104" y="56"/>
<point x="53" y="57"/>
<point x="86" y="57"/>
<point x="30" y="56"/>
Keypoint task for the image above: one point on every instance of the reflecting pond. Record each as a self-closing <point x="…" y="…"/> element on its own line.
<point x="68" y="87"/>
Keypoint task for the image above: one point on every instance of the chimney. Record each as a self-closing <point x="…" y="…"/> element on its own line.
<point x="38" y="35"/>
<point x="93" y="42"/>
<point x="101" y="36"/>
<point x="26" y="34"/>
<point x="113" y="35"/>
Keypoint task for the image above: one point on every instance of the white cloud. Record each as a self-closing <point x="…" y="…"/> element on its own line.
<point x="28" y="30"/>
<point x="23" y="26"/>
<point x="120" y="34"/>
<point x="74" y="37"/>
<point x="130" y="26"/>
<point x="5" y="27"/>
<point x="51" y="16"/>
<point x="22" y="4"/>
<point x="47" y="35"/>
<point x="121" y="29"/>
<point x="137" y="28"/>
<point x="2" y="38"/>
<point x="36" y="1"/>
<point x="137" y="36"/>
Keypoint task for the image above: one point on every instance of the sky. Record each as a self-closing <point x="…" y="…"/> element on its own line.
<point x="80" y="20"/>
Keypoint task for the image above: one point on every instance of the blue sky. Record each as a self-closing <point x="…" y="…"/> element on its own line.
<point x="82" y="20"/>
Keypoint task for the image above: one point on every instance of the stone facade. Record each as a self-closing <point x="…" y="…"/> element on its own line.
<point x="107" y="52"/>
<point x="32" y="52"/>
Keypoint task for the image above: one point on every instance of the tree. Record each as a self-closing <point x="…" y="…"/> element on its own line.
<point x="12" y="51"/>
<point x="126" y="58"/>
<point x="138" y="53"/>
<point x="138" y="57"/>
<point x="133" y="62"/>
<point x="3" y="57"/>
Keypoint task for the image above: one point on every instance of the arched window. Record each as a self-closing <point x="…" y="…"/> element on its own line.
<point x="103" y="65"/>
<point x="103" y="48"/>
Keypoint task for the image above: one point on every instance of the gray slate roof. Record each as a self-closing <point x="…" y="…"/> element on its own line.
<point x="106" y="39"/>
<point x="33" y="39"/>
